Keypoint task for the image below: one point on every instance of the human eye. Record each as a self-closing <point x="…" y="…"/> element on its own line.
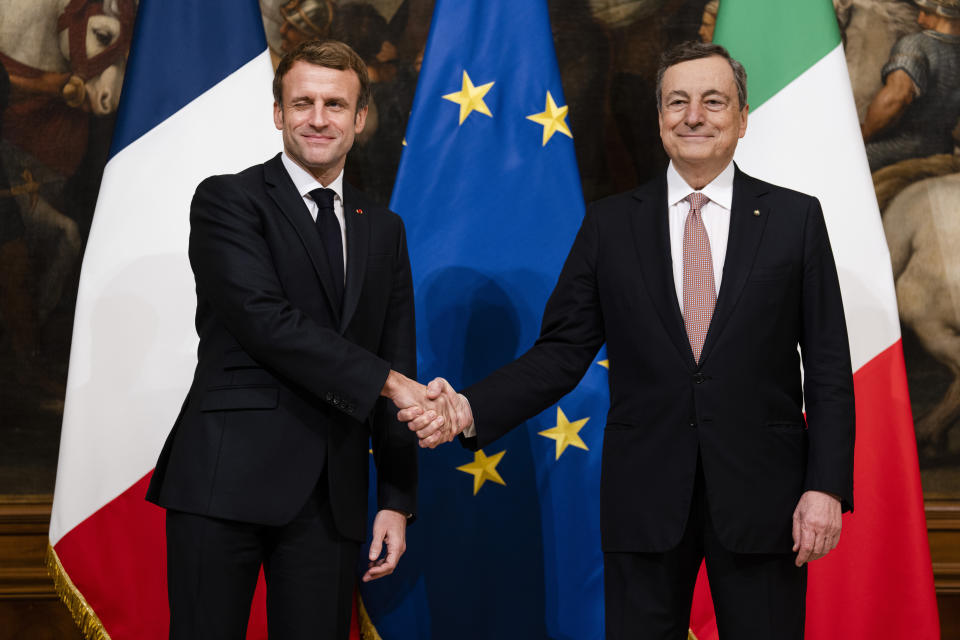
<point x="715" y="103"/>
<point x="676" y="104"/>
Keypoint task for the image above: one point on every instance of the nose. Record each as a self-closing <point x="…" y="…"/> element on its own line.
<point x="694" y="114"/>
<point x="318" y="117"/>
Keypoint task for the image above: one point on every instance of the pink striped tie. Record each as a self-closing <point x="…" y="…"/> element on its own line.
<point x="699" y="292"/>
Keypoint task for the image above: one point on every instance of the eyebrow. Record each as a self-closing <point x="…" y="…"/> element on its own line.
<point x="709" y="92"/>
<point x="716" y="92"/>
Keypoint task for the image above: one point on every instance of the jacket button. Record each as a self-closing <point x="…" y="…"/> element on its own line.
<point x="693" y="425"/>
<point x="699" y="378"/>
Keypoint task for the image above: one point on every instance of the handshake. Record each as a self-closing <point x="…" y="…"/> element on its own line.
<point x="435" y="412"/>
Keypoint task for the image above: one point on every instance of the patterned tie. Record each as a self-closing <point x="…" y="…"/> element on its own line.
<point x="329" y="228"/>
<point x="699" y="292"/>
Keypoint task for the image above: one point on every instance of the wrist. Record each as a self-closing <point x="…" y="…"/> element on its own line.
<point x="392" y="384"/>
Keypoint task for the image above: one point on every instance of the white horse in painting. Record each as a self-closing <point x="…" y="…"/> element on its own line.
<point x="72" y="51"/>
<point x="920" y="222"/>
<point x="923" y="232"/>
<point x="71" y="36"/>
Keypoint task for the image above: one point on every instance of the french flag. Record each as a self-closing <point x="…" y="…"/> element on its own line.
<point x="196" y="102"/>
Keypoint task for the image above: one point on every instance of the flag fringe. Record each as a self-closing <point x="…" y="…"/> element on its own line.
<point x="367" y="630"/>
<point x="83" y="614"/>
<point x="690" y="635"/>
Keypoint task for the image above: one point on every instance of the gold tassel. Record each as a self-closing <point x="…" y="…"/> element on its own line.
<point x="367" y="630"/>
<point x="83" y="614"/>
<point x="690" y="635"/>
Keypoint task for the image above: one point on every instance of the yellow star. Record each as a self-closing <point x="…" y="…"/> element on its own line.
<point x="604" y="363"/>
<point x="566" y="433"/>
<point x="553" y="119"/>
<point x="483" y="469"/>
<point x="470" y="98"/>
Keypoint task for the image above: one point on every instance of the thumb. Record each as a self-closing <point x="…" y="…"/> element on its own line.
<point x="376" y="545"/>
<point x="436" y="388"/>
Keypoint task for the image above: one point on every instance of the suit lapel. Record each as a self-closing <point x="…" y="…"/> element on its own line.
<point x="748" y="218"/>
<point x="283" y="192"/>
<point x="651" y="232"/>
<point x="358" y="241"/>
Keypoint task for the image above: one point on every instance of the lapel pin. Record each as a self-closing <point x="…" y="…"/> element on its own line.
<point x="756" y="212"/>
<point x="360" y="211"/>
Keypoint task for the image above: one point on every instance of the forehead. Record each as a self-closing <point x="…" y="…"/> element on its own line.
<point x="699" y="76"/>
<point x="306" y="79"/>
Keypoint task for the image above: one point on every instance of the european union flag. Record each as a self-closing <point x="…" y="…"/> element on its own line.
<point x="507" y="544"/>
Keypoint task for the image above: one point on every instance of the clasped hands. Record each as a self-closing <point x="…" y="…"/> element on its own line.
<point x="435" y="412"/>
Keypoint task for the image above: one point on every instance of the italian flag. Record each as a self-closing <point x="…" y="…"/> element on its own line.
<point x="803" y="133"/>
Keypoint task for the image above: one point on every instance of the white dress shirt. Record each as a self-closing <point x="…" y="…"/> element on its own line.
<point x="716" y="220"/>
<point x="305" y="183"/>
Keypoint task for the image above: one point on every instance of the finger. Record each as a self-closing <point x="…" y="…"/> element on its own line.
<point x="829" y="544"/>
<point x="432" y="441"/>
<point x="819" y="545"/>
<point x="422" y="422"/>
<point x="376" y="545"/>
<point x="384" y="566"/>
<point x="806" y="547"/>
<point x="408" y="414"/>
<point x="796" y="533"/>
<point x="373" y="572"/>
<point x="435" y="426"/>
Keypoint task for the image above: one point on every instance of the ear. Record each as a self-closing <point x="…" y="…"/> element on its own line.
<point x="743" y="120"/>
<point x="360" y="120"/>
<point x="277" y="115"/>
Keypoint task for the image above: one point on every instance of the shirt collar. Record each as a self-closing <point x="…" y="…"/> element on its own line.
<point x="305" y="183"/>
<point x="720" y="189"/>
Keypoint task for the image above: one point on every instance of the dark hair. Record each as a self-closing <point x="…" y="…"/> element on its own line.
<point x="695" y="50"/>
<point x="332" y="54"/>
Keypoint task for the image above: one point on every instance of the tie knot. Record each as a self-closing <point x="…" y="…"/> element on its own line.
<point x="697" y="200"/>
<point x="323" y="198"/>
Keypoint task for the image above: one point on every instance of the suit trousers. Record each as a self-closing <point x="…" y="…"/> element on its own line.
<point x="755" y="596"/>
<point x="213" y="566"/>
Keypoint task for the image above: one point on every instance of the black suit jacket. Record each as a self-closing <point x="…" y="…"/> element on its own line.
<point x="741" y="408"/>
<point x="286" y="383"/>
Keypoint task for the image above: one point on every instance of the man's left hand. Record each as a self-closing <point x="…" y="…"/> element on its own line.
<point x="390" y="528"/>
<point x="816" y="526"/>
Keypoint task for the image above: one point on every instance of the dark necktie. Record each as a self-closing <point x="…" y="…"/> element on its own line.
<point x="330" y="236"/>
<point x="699" y="290"/>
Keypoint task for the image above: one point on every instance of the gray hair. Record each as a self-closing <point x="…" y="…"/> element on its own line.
<point x="696" y="50"/>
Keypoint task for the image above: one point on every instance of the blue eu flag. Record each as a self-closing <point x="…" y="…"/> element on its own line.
<point x="507" y="542"/>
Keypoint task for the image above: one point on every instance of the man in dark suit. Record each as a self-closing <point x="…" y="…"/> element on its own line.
<point x="703" y="283"/>
<point x="305" y="317"/>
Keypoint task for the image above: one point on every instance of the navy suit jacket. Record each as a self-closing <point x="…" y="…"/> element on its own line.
<point x="741" y="409"/>
<point x="287" y="382"/>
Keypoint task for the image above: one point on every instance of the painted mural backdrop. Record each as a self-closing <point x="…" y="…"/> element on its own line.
<point x="62" y="64"/>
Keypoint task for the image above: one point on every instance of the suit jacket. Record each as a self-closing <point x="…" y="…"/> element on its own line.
<point x="287" y="383"/>
<point x="740" y="409"/>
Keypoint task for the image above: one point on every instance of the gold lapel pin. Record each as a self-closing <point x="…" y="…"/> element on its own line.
<point x="756" y="212"/>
